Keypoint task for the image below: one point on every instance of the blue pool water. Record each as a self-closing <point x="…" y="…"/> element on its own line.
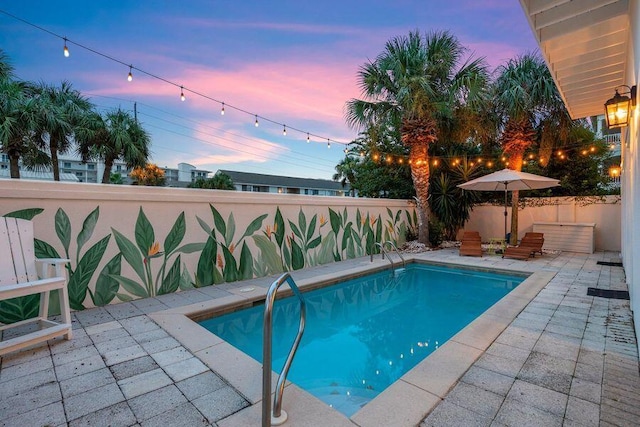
<point x="364" y="334"/>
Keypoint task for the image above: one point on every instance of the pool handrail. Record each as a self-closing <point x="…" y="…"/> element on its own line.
<point x="395" y="248"/>
<point x="278" y="416"/>
<point x="384" y="252"/>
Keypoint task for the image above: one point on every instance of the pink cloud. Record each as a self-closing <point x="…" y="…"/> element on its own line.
<point x="290" y="91"/>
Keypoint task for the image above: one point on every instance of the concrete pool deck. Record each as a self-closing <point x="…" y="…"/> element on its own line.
<point x="566" y="359"/>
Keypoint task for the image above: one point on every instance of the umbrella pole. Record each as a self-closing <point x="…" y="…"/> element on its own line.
<point x="505" y="213"/>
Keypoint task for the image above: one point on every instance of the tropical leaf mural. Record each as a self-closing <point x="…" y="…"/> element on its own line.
<point x="139" y="256"/>
<point x="226" y="254"/>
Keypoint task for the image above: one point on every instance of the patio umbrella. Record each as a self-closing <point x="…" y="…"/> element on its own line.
<point x="509" y="180"/>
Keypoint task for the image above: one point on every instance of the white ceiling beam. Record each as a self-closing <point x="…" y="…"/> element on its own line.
<point x="586" y="34"/>
<point x="536" y="6"/>
<point x="591" y="59"/>
<point x="594" y="81"/>
<point x="580" y="46"/>
<point x="579" y="73"/>
<point x="567" y="11"/>
<point x="583" y="20"/>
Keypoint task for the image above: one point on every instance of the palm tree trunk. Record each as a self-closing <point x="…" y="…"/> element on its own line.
<point x="419" y="158"/>
<point x="106" y="175"/>
<point x="14" y="166"/>
<point x="53" y="147"/>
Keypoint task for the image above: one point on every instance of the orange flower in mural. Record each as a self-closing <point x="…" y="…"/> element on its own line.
<point x="323" y="220"/>
<point x="154" y="249"/>
<point x="220" y="263"/>
<point x="231" y="248"/>
<point x="267" y="231"/>
<point x="373" y="220"/>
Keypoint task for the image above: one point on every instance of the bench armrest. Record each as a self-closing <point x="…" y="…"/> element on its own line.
<point x="51" y="267"/>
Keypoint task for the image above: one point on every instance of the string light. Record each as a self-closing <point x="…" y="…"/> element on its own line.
<point x="361" y="153"/>
<point x="222" y="110"/>
<point x="308" y="139"/>
<point x="160" y="78"/>
<point x="345" y="150"/>
<point x="328" y="143"/>
<point x="130" y="76"/>
<point x="256" y="123"/>
<point x="284" y="132"/>
<point x="182" y="97"/>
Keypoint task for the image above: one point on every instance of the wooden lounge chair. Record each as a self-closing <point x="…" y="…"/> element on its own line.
<point x="529" y="245"/>
<point x="19" y="271"/>
<point x="471" y="244"/>
<point x="533" y="241"/>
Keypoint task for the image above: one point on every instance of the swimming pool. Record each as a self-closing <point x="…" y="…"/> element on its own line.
<point x="364" y="334"/>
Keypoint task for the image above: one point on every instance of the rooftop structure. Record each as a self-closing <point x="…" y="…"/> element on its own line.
<point x="245" y="181"/>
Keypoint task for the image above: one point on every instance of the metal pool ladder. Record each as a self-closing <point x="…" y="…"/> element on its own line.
<point x="384" y="252"/>
<point x="279" y="416"/>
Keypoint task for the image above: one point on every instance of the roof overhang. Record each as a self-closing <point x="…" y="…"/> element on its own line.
<point x="585" y="45"/>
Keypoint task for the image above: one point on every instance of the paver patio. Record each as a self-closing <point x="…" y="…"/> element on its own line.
<point x="567" y="359"/>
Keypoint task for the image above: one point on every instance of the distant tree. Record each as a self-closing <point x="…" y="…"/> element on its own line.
<point x="60" y="111"/>
<point x="116" y="136"/>
<point x="345" y="173"/>
<point x="116" y="178"/>
<point x="220" y="181"/>
<point x="17" y="121"/>
<point x="150" y="175"/>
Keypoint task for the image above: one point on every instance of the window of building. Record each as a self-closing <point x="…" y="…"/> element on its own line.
<point x="315" y="192"/>
<point x="119" y="168"/>
<point x="246" y="187"/>
<point x="66" y="165"/>
<point x="91" y="167"/>
<point x="78" y="173"/>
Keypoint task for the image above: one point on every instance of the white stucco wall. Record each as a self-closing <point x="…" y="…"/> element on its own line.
<point x="630" y="179"/>
<point x="488" y="220"/>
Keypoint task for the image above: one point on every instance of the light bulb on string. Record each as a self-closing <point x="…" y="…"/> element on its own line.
<point x="256" y="123"/>
<point x="65" y="50"/>
<point x="328" y="143"/>
<point x="345" y="150"/>
<point x="182" y="97"/>
<point x="284" y="130"/>
<point x="222" y="110"/>
<point x="308" y="139"/>
<point x="130" y="76"/>
<point x="361" y="153"/>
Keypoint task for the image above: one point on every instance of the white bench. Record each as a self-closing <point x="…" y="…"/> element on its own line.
<point x="19" y="271"/>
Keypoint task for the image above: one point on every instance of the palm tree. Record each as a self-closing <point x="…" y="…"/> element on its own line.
<point x="418" y="83"/>
<point x="116" y="136"/>
<point x="60" y="112"/>
<point x="220" y="181"/>
<point x="526" y="96"/>
<point x="345" y="173"/>
<point x="17" y="120"/>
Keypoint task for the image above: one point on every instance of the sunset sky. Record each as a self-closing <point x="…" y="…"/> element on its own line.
<point x="291" y="62"/>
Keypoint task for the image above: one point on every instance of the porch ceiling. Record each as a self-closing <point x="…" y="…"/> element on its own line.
<point x="585" y="45"/>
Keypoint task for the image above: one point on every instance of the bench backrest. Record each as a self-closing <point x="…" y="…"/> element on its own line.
<point x="17" y="255"/>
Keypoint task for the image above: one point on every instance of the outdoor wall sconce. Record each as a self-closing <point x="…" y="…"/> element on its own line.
<point x="618" y="109"/>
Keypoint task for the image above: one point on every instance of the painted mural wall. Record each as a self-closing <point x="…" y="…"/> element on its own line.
<point x="126" y="242"/>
